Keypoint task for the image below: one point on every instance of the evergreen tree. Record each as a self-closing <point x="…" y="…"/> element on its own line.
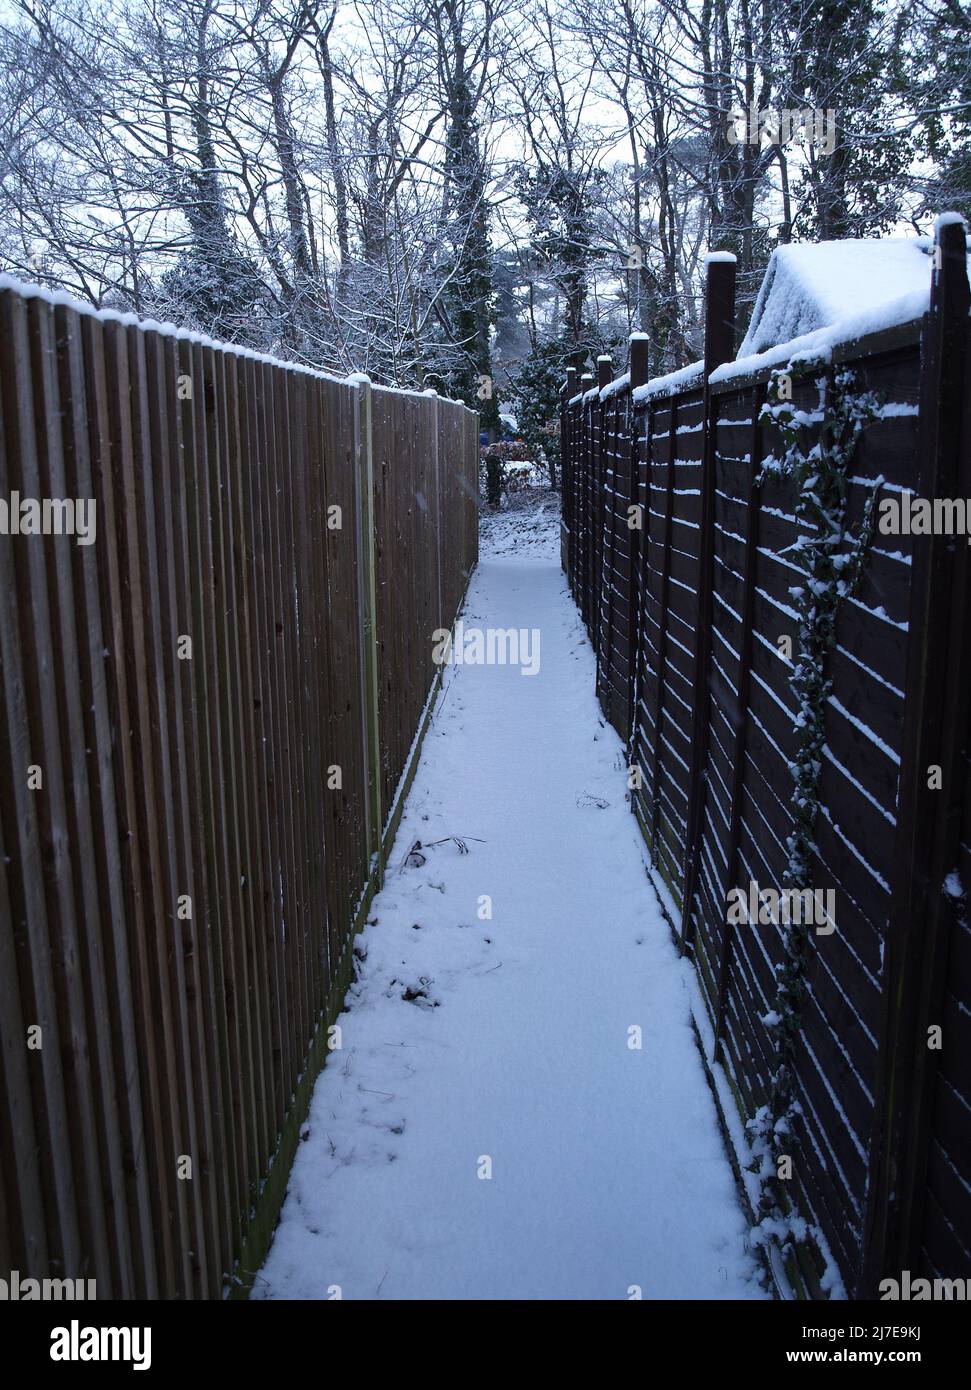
<point x="470" y="300"/>
<point x="560" y="206"/>
<point x="933" y="44"/>
<point x="537" y="395"/>
<point x="839" y="54"/>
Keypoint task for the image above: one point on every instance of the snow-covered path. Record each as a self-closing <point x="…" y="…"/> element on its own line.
<point x="472" y="1042"/>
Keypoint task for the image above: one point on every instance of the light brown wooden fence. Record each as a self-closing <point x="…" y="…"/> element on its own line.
<point x="206" y="720"/>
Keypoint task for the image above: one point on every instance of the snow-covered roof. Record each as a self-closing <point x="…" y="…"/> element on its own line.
<point x="808" y="286"/>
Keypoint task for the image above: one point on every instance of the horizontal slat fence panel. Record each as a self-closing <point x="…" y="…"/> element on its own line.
<point x="696" y="626"/>
<point x="193" y="709"/>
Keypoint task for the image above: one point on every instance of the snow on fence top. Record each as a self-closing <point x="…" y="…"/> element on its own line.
<point x="619" y="383"/>
<point x="816" y="296"/>
<point x="813" y="297"/>
<point x="671" y="383"/>
<point x="61" y="298"/>
<point x="807" y="287"/>
<point x="817" y="346"/>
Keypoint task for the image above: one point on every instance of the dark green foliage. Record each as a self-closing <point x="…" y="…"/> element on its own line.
<point x="933" y="75"/>
<point x="840" y="53"/>
<point x="470" y="301"/>
<point x="495" y="477"/>
<point x="559" y="208"/>
<point x="537" y="387"/>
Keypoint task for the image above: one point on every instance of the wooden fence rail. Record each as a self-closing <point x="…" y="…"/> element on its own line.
<point x="679" y="548"/>
<point x="207" y="719"/>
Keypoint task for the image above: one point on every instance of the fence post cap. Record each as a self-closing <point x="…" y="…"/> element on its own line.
<point x="719" y="310"/>
<point x="429" y="391"/>
<point x="948" y="219"/>
<point x="359" y="379"/>
<point x="639" y="346"/>
<point x="605" y="357"/>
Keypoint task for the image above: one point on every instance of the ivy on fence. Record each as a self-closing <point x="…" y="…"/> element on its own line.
<point x="831" y="552"/>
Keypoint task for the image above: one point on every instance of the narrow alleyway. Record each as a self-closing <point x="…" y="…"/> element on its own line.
<point x="490" y="1127"/>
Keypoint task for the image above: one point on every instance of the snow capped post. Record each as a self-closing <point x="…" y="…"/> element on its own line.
<point x="638" y="359"/>
<point x="638" y="376"/>
<point x="945" y="343"/>
<point x="585" y="576"/>
<point x="925" y="912"/>
<point x="599" y="425"/>
<point x="719" y="348"/>
<point x="719" y="309"/>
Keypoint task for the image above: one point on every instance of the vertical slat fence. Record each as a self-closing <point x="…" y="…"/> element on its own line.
<point x="207" y="720"/>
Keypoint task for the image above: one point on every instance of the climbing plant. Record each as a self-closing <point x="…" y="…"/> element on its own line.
<point x="831" y="553"/>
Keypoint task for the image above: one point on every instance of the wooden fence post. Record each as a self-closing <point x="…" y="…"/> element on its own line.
<point x="639" y="346"/>
<point x="638" y="368"/>
<point x="564" y="504"/>
<point x="568" y="477"/>
<point x="586" y="529"/>
<point x="928" y="834"/>
<point x="598" y="416"/>
<point x="608" y="544"/>
<point x="719" y="348"/>
<point x="367" y="607"/>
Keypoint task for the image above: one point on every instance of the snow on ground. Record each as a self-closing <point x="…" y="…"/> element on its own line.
<point x="503" y="1041"/>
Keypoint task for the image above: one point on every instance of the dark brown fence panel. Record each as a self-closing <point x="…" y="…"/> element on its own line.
<point x="584" y="460"/>
<point x="193" y="712"/>
<point x="669" y="428"/>
<point x="881" y="1128"/>
<point x="917" y="1213"/>
<point x="615" y="646"/>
